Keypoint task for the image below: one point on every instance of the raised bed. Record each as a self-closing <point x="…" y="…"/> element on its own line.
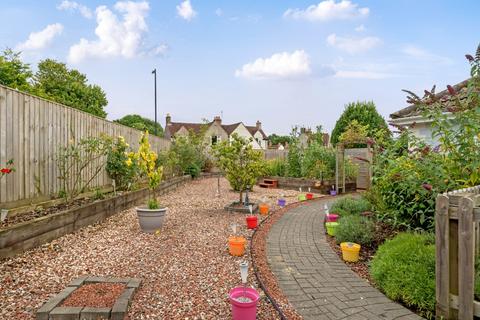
<point x="315" y="186"/>
<point x="54" y="310"/>
<point x="30" y="234"/>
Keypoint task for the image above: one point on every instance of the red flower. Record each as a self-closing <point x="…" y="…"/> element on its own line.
<point x="427" y="186"/>
<point x="6" y="170"/>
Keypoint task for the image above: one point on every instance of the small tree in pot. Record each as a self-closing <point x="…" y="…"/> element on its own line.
<point x="241" y="164"/>
<point x="150" y="217"/>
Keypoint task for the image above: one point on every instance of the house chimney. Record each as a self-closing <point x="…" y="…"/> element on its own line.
<point x="259" y="125"/>
<point x="168" y="119"/>
<point x="302" y="130"/>
<point x="217" y="120"/>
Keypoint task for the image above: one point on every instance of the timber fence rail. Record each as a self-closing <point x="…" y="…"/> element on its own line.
<point x="33" y="129"/>
<point x="457" y="239"/>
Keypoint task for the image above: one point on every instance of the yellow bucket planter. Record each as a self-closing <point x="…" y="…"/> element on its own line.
<point x="350" y="251"/>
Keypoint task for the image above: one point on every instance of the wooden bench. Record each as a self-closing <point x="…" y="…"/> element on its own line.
<point x="269" y="183"/>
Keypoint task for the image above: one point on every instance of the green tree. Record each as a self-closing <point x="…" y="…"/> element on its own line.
<point x="365" y="113"/>
<point x="140" y="123"/>
<point x="13" y="72"/>
<point x="277" y="139"/>
<point x="241" y="163"/>
<point x="55" y="81"/>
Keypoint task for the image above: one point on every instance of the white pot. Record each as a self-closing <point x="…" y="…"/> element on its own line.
<point x="150" y="220"/>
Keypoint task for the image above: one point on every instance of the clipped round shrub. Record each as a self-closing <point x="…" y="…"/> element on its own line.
<point x="404" y="268"/>
<point x="356" y="229"/>
<point x="350" y="206"/>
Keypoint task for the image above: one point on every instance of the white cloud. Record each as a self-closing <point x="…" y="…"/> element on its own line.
<point x="360" y="28"/>
<point x="41" y="39"/>
<point x="159" y="50"/>
<point x="328" y="10"/>
<point x="116" y="38"/>
<point x="219" y="12"/>
<point x="422" y="54"/>
<point x="185" y="10"/>
<point x="72" y="6"/>
<point x="346" y="74"/>
<point x="282" y="65"/>
<point x="353" y="45"/>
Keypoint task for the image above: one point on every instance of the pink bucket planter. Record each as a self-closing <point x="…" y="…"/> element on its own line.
<point x="244" y="310"/>
<point x="332" y="217"/>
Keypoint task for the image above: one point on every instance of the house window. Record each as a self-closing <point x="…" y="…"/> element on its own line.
<point x="215" y="139"/>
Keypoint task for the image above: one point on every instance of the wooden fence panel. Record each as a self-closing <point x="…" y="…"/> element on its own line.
<point x="33" y="129"/>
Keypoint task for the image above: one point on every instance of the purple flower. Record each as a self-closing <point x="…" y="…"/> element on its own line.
<point x="469" y="58"/>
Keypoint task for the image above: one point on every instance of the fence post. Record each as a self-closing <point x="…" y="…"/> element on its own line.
<point x="466" y="252"/>
<point x="442" y="257"/>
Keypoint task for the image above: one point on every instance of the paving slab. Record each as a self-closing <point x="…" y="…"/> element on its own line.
<point x="314" y="279"/>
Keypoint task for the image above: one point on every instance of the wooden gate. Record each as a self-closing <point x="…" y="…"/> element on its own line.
<point x="363" y="158"/>
<point x="457" y="216"/>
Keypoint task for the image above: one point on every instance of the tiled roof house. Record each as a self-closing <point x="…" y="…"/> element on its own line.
<point x="216" y="131"/>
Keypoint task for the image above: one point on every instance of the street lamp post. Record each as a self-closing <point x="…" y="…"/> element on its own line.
<point x="155" y="85"/>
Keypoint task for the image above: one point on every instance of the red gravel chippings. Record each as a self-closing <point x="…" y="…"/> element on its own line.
<point x="95" y="295"/>
<point x="186" y="270"/>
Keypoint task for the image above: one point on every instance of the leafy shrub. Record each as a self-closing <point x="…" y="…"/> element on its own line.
<point x="407" y="180"/>
<point x="193" y="170"/>
<point x="404" y="268"/>
<point x="350" y="206"/>
<point x="318" y="162"/>
<point x="277" y="167"/>
<point x="356" y="229"/>
<point x="117" y="168"/>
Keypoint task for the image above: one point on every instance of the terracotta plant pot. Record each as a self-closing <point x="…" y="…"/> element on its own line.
<point x="350" y="251"/>
<point x="252" y="222"/>
<point x="150" y="220"/>
<point x="236" y="245"/>
<point x="309" y="196"/>
<point x="263" y="207"/>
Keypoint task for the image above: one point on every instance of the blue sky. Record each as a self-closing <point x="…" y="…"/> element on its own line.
<point x="281" y="62"/>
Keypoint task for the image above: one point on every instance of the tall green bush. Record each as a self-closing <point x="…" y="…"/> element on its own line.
<point x="365" y="113"/>
<point x="404" y="268"/>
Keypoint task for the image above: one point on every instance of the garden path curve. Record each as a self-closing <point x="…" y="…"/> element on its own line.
<point x="317" y="283"/>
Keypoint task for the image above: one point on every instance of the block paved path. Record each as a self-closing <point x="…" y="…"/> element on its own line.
<point x="317" y="283"/>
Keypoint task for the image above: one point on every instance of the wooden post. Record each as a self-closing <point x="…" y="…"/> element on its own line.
<point x="453" y="264"/>
<point x="466" y="253"/>
<point x="442" y="262"/>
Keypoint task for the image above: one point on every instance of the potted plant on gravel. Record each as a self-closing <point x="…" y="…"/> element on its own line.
<point x="151" y="216"/>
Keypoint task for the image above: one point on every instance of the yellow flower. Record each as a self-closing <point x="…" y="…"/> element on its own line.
<point x="128" y="162"/>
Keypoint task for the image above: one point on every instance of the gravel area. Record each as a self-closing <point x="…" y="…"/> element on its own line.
<point x="95" y="295"/>
<point x="186" y="269"/>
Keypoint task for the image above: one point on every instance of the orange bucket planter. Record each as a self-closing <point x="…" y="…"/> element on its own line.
<point x="236" y="245"/>
<point x="263" y="207"/>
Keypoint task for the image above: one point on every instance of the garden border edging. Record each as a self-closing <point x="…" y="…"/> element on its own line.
<point x="30" y="234"/>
